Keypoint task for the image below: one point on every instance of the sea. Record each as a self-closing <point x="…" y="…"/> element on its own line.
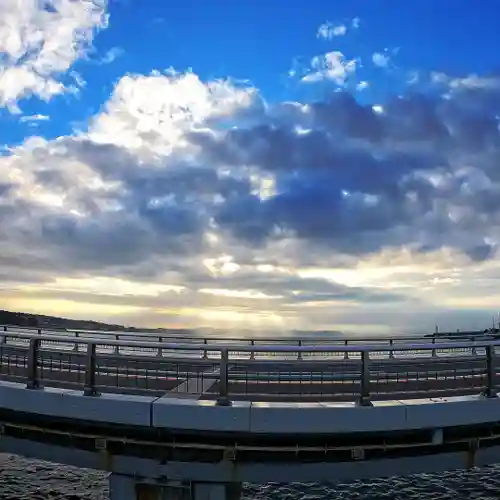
<point x="22" y="479"/>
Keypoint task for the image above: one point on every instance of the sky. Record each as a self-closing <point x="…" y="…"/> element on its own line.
<point x="252" y="166"/>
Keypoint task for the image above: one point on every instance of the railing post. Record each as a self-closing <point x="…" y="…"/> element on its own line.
<point x="39" y="331"/>
<point x="391" y="352"/>
<point x="474" y="348"/>
<point x="33" y="381"/>
<point x="252" y="354"/>
<point x="117" y="347"/>
<point x="75" y="347"/>
<point x="434" y="353"/>
<point x="4" y="328"/>
<point x="90" y="371"/>
<point x="160" y="349"/>
<point x="205" y="353"/>
<point x="299" y="354"/>
<point x="4" y="337"/>
<point x="346" y="352"/>
<point x="490" y="390"/>
<point x="364" y="399"/>
<point x="223" y="398"/>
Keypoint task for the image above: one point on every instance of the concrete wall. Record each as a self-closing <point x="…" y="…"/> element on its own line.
<point x="169" y="412"/>
<point x="262" y="418"/>
<point x="66" y="403"/>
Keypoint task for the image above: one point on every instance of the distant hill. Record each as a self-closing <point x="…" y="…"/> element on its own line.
<point x="56" y="323"/>
<point x="15" y="318"/>
<point x="53" y="322"/>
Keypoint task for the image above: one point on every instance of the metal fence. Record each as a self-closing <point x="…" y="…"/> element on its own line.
<point x="226" y="372"/>
<point x="234" y="342"/>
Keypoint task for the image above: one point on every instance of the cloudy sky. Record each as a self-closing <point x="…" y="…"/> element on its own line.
<point x="298" y="164"/>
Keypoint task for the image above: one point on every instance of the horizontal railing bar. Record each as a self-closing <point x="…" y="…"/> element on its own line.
<point x="309" y="376"/>
<point x="259" y="348"/>
<point x="452" y="335"/>
<point x="179" y="358"/>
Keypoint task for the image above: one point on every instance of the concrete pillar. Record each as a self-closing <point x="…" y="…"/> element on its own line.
<point x="437" y="436"/>
<point x="216" y="491"/>
<point x="145" y="491"/>
<point x="127" y="488"/>
<point x="121" y="487"/>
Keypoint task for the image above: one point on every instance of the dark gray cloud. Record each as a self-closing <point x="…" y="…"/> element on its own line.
<point x="271" y="291"/>
<point x="291" y="288"/>
<point x="420" y="173"/>
<point x="4" y="188"/>
<point x="348" y="180"/>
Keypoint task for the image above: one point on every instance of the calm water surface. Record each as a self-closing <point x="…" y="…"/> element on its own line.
<point x="22" y="479"/>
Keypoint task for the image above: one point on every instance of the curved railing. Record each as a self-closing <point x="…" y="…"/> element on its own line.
<point x="309" y="340"/>
<point x="157" y="345"/>
<point x="228" y="372"/>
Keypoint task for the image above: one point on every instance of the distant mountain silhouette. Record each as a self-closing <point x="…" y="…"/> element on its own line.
<point x="53" y="322"/>
<point x="19" y="319"/>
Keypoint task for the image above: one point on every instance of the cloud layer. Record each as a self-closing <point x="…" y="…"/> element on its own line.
<point x="40" y="41"/>
<point x="220" y="204"/>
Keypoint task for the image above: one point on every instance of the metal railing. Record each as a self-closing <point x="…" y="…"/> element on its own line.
<point x="251" y="372"/>
<point x="312" y="340"/>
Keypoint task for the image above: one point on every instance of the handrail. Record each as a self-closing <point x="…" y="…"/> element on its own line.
<point x="257" y="348"/>
<point x="280" y="340"/>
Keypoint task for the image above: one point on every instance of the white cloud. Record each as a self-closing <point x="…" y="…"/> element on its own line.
<point x="154" y="112"/>
<point x="381" y="59"/>
<point x="355" y="23"/>
<point x="330" y="66"/>
<point x="469" y="82"/>
<point x="40" y="41"/>
<point x="340" y="30"/>
<point x="363" y="85"/>
<point x="327" y="30"/>
<point x="111" y="55"/>
<point x="34" y="118"/>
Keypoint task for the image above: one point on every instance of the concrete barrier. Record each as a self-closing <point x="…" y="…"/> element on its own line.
<point x="69" y="404"/>
<point x="245" y="417"/>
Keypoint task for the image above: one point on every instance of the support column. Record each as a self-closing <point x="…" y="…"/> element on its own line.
<point x="128" y="488"/>
<point x="121" y="487"/>
<point x="216" y="491"/>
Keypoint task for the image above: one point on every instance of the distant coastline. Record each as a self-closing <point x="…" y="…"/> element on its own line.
<point x="44" y="322"/>
<point x="57" y="323"/>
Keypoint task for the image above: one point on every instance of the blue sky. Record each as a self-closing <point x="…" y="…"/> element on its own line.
<point x="260" y="41"/>
<point x="221" y="163"/>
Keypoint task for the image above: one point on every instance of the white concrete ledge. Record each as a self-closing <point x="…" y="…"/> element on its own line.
<point x="64" y="403"/>
<point x="175" y="413"/>
<point x="324" y="418"/>
<point x="452" y="411"/>
<point x="384" y="416"/>
<point x="170" y="412"/>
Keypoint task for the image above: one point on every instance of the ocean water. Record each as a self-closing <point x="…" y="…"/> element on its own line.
<point x="22" y="479"/>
